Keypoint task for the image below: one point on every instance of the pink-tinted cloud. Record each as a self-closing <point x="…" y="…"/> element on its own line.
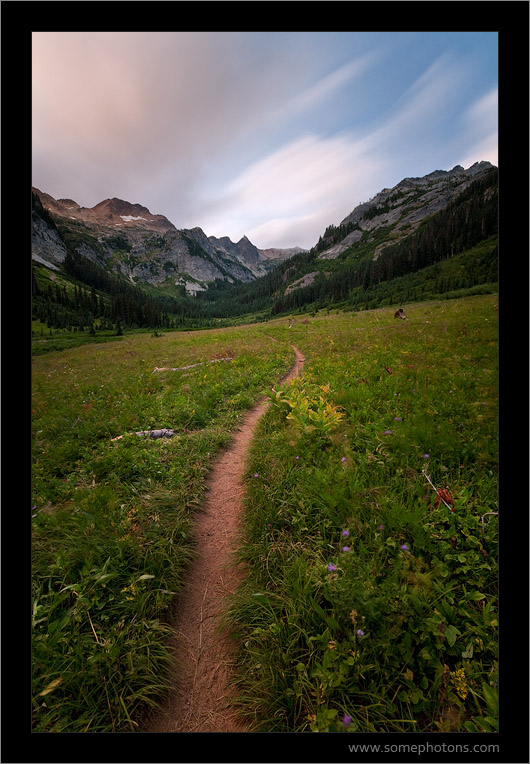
<point x="270" y="135"/>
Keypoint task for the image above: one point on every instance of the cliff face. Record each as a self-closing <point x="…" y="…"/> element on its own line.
<point x="127" y="238"/>
<point x="403" y="207"/>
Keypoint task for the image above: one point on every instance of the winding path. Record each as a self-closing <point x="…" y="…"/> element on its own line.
<point x="201" y="701"/>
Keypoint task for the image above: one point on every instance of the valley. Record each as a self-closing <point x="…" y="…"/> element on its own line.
<point x="426" y="238"/>
<point x="364" y="495"/>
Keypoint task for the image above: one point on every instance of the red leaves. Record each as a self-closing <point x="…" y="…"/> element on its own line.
<point x="442" y="494"/>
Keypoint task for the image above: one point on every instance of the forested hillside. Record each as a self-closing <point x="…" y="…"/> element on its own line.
<point x="461" y="226"/>
<point x="352" y="267"/>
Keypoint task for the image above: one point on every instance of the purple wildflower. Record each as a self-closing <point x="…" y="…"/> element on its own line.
<point x="426" y="456"/>
<point x="255" y="474"/>
<point x="388" y="432"/>
<point x="404" y="547"/>
<point x="398" y="419"/>
<point x="346" y="720"/>
<point x="331" y="566"/>
<point x="343" y="459"/>
<point x="345" y="533"/>
<point x="345" y="548"/>
<point x="360" y="633"/>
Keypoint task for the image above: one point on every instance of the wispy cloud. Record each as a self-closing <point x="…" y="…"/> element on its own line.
<point x="306" y="184"/>
<point x="270" y="135"/>
<point x="326" y="87"/>
<point x="310" y="182"/>
<point x="480" y="126"/>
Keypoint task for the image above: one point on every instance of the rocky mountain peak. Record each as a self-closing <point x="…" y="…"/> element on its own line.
<point x="111" y="213"/>
<point x="129" y="239"/>
<point x="405" y="205"/>
<point x="478" y="167"/>
<point x="68" y="203"/>
<point x="116" y="206"/>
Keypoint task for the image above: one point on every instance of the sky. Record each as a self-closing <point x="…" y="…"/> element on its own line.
<point x="269" y="135"/>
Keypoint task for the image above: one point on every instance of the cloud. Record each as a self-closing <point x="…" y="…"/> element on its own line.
<point x="270" y="135"/>
<point x="326" y="87"/>
<point x="128" y="105"/>
<point x="480" y="123"/>
<point x="297" y="190"/>
<point x="290" y="196"/>
<point x="419" y="117"/>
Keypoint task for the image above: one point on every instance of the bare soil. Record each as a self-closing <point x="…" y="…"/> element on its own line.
<point x="202" y="697"/>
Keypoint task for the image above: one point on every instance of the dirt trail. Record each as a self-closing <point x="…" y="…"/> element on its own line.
<point x="201" y="699"/>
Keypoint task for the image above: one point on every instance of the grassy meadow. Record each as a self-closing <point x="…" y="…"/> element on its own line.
<point x="370" y="527"/>
<point x="111" y="518"/>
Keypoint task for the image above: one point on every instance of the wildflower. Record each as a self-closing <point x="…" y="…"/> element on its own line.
<point x="360" y="633"/>
<point x="426" y="456"/>
<point x="345" y="548"/>
<point x="344" y="533"/>
<point x="346" y="720"/>
<point x="343" y="459"/>
<point x="458" y="678"/>
<point x="353" y="615"/>
<point x="331" y="566"/>
<point x="404" y="547"/>
<point x="255" y="474"/>
<point x="381" y="527"/>
<point x="398" y="419"/>
<point x="296" y="457"/>
<point x="388" y="432"/>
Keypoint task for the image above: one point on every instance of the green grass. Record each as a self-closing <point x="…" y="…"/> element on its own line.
<point x="111" y="518"/>
<point x="366" y="595"/>
<point x="342" y="449"/>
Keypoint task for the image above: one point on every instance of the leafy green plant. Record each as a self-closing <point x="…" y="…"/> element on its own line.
<point x="311" y="413"/>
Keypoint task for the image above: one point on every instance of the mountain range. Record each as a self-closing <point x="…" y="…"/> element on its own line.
<point x="118" y="263"/>
<point x="146" y="248"/>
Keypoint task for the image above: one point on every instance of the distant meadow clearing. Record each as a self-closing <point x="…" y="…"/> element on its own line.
<point x="369" y="532"/>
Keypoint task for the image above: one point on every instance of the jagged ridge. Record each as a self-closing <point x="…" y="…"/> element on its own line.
<point x="127" y="238"/>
